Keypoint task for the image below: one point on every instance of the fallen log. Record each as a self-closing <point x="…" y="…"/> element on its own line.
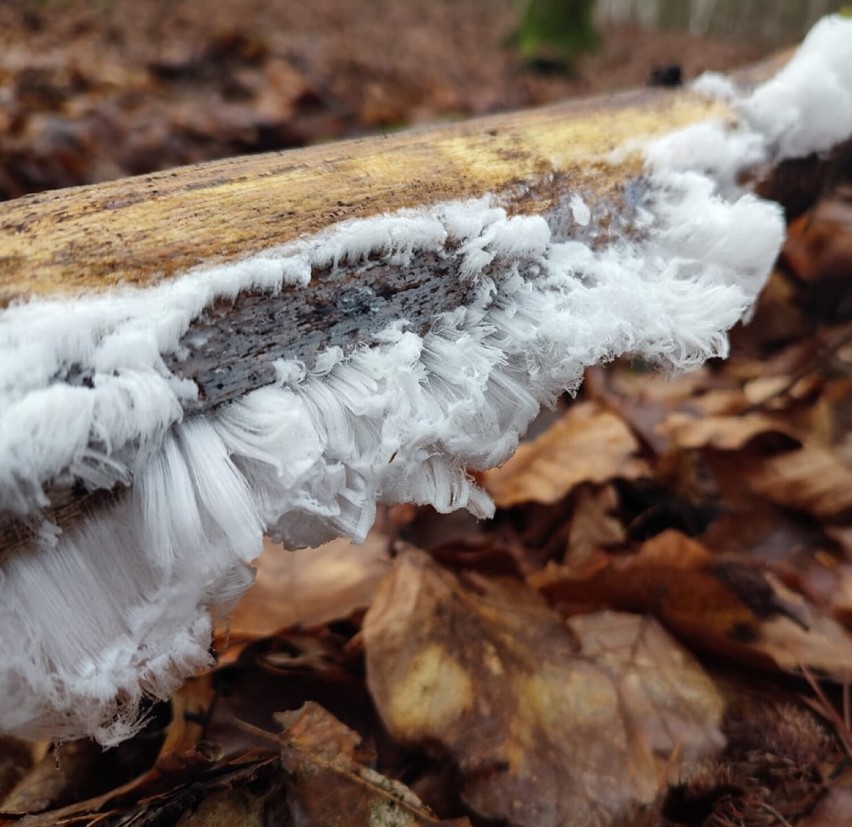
<point x="145" y="230"/>
<point x="142" y="231"/>
<point x="275" y="343"/>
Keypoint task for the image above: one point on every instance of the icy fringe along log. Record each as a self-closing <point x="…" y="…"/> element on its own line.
<point x="277" y="343"/>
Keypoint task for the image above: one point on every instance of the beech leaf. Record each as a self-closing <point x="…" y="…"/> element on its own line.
<point x="718" y="602"/>
<point x="589" y="444"/>
<point x="547" y="724"/>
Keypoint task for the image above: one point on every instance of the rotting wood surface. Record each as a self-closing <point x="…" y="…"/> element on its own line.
<point x="139" y="231"/>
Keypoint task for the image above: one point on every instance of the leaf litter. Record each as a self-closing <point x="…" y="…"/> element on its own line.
<point x="545" y="721"/>
<point x="97" y="90"/>
<point x="655" y="629"/>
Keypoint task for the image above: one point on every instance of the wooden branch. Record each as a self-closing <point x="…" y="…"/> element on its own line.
<point x="142" y="230"/>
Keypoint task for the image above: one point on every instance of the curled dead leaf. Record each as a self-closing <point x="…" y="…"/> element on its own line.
<point x="593" y="524"/>
<point x="719" y="603"/>
<point x="818" y="250"/>
<point x="811" y="479"/>
<point x="308" y="587"/>
<point x="327" y="786"/>
<point x="236" y="808"/>
<point x="588" y="444"/>
<point x="17" y="758"/>
<point x="547" y="725"/>
<point x="724" y="433"/>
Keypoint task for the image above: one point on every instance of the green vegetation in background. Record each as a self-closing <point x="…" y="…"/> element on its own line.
<point x="554" y="31"/>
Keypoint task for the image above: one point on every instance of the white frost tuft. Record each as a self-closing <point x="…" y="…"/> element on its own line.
<point x="580" y="210"/>
<point x="117" y="607"/>
<point x="716" y="85"/>
<point x="807" y="106"/>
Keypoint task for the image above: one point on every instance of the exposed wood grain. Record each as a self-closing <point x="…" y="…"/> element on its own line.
<point x="138" y="230"/>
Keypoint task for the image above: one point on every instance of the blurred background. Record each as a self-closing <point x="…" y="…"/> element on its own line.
<point x="770" y="21"/>
<point x="96" y="89"/>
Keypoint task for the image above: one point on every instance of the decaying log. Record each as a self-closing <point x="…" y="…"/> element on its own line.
<point x="139" y="231"/>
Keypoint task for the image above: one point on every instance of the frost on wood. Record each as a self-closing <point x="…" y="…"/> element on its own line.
<point x="118" y="606"/>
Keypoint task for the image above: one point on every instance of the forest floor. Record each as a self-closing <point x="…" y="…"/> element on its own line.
<point x="96" y="90"/>
<point x="654" y="629"/>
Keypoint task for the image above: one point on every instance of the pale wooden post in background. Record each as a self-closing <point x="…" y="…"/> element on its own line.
<point x="775" y="22"/>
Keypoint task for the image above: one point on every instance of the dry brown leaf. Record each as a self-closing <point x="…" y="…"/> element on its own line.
<point x="547" y="725"/>
<point x="724" y="433"/>
<point x="818" y="247"/>
<point x="328" y="787"/>
<point x="777" y="319"/>
<point x="827" y="582"/>
<point x="671" y="576"/>
<point x="778" y="392"/>
<point x="752" y="526"/>
<point x="190" y="705"/>
<point x="718" y="602"/>
<point x="589" y="444"/>
<point x="236" y="793"/>
<point x="315" y="730"/>
<point x="644" y="400"/>
<point x="309" y="587"/>
<point x="819" y="642"/>
<point x="843" y="447"/>
<point x="593" y="525"/>
<point x="842" y="535"/>
<point x="761" y="390"/>
<point x="52" y="783"/>
<point x="229" y="808"/>
<point x="810" y="479"/>
<point x="727" y="400"/>
<point x="82" y="779"/>
<point x="17" y="758"/>
<point x="669" y="705"/>
<point x="669" y="392"/>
